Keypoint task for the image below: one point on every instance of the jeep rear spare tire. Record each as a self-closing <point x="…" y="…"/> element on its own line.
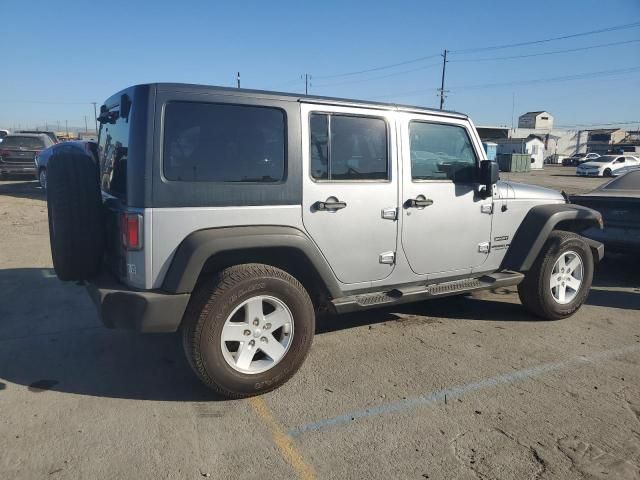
<point x="248" y="330"/>
<point x="74" y="205"/>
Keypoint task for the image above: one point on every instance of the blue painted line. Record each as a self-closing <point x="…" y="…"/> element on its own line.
<point x="457" y="391"/>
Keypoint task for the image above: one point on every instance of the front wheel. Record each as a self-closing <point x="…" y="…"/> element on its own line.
<point x="558" y="283"/>
<point x="248" y="330"/>
<point x="607" y="173"/>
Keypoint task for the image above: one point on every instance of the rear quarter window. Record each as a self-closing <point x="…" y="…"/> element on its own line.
<point x="113" y="151"/>
<point x="207" y="142"/>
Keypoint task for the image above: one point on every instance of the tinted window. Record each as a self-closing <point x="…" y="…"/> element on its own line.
<point x="113" y="146"/>
<point x="441" y="152"/>
<point x="348" y="148"/>
<point x="29" y="143"/>
<point x="223" y="143"/>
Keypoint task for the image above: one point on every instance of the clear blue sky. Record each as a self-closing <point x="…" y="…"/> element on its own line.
<point x="59" y="56"/>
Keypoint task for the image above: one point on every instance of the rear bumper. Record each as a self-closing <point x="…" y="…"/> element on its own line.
<point x="16" y="168"/>
<point x="616" y="238"/>
<point x="143" y="311"/>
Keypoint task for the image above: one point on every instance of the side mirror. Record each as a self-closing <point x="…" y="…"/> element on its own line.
<point x="489" y="175"/>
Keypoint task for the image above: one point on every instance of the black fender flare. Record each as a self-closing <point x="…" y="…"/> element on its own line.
<point x="198" y="247"/>
<point x="539" y="222"/>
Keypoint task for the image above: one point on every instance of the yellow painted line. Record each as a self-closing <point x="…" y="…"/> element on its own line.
<point x="282" y="440"/>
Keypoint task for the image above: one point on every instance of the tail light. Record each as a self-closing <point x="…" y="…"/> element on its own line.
<point x="131" y="230"/>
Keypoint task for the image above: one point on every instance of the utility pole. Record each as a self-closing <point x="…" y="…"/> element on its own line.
<point x="513" y="109"/>
<point x="238" y="79"/>
<point x="95" y="115"/>
<point x="85" y="124"/>
<point x="66" y="126"/>
<point x="442" y="90"/>
<point x="307" y="80"/>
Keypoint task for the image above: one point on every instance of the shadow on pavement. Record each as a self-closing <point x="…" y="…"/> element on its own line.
<point x="52" y="339"/>
<point x="23" y="189"/>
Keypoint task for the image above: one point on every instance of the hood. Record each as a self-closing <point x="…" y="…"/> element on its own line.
<point x="592" y="165"/>
<point x="528" y="192"/>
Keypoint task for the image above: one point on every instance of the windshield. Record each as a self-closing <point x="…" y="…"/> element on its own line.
<point x="17" y="141"/>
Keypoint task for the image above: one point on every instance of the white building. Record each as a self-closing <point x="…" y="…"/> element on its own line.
<point x="537" y="120"/>
<point x="533" y="145"/>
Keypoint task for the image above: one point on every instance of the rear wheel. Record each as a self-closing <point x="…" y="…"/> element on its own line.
<point x="248" y="330"/>
<point x="42" y="178"/>
<point x="559" y="281"/>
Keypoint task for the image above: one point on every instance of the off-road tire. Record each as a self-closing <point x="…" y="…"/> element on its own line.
<point x="211" y="304"/>
<point x="535" y="292"/>
<point x="74" y="206"/>
<point x="42" y="178"/>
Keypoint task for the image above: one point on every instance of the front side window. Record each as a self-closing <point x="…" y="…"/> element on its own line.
<point x="441" y="152"/>
<point x="344" y="147"/>
<point x="206" y="142"/>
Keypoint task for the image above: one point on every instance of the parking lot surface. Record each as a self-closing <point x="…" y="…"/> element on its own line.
<point x="463" y="387"/>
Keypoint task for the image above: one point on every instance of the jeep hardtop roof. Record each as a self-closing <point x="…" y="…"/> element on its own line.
<point x="290" y="97"/>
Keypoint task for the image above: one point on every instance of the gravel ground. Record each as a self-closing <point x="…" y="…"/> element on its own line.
<point x="467" y="387"/>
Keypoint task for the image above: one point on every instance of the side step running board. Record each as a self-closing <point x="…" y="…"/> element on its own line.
<point x="424" y="292"/>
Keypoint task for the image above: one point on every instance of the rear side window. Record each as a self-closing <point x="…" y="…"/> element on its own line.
<point x="113" y="150"/>
<point x="206" y="142"/>
<point x="28" y="143"/>
<point x="441" y="152"/>
<point x="348" y="147"/>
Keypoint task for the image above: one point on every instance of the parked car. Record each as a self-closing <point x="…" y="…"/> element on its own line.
<point x="619" y="203"/>
<point x="579" y="158"/>
<point x="623" y="170"/>
<point x="17" y="152"/>
<point x="605" y="166"/>
<point x="234" y="215"/>
<point x="74" y="146"/>
<point x="3" y="133"/>
<point x="52" y="135"/>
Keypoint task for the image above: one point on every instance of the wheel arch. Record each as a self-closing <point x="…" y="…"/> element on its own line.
<point x="539" y="222"/>
<point x="211" y="250"/>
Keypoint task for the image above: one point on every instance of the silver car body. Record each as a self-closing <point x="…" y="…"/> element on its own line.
<point x="375" y="242"/>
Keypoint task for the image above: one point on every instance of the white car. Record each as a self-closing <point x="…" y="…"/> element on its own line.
<point x="605" y="166"/>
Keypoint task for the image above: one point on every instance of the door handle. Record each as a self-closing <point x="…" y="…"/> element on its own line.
<point x="418" y="202"/>
<point x="331" y="204"/>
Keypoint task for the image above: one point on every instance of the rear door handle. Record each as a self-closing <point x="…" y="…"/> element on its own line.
<point x="418" y="202"/>
<point x="330" y="204"/>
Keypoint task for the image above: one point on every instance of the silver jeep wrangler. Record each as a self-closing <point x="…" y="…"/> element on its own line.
<point x="234" y="216"/>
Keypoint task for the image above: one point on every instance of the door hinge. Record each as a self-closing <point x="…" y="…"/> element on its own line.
<point x="388" y="257"/>
<point x="483" y="247"/>
<point x="390" y="213"/>
<point x="487" y="208"/>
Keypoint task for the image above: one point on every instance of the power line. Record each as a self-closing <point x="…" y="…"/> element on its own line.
<point x="600" y="124"/>
<point x="581" y="76"/>
<point x="545" y="53"/>
<point x="346" y="82"/>
<point x="45" y="102"/>
<point x="546" y="40"/>
<point x="375" y="69"/>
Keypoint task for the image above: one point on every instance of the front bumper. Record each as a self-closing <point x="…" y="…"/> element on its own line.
<point x="140" y="310"/>
<point x="588" y="173"/>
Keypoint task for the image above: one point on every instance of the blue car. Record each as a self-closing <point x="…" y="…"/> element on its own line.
<point x="74" y="146"/>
